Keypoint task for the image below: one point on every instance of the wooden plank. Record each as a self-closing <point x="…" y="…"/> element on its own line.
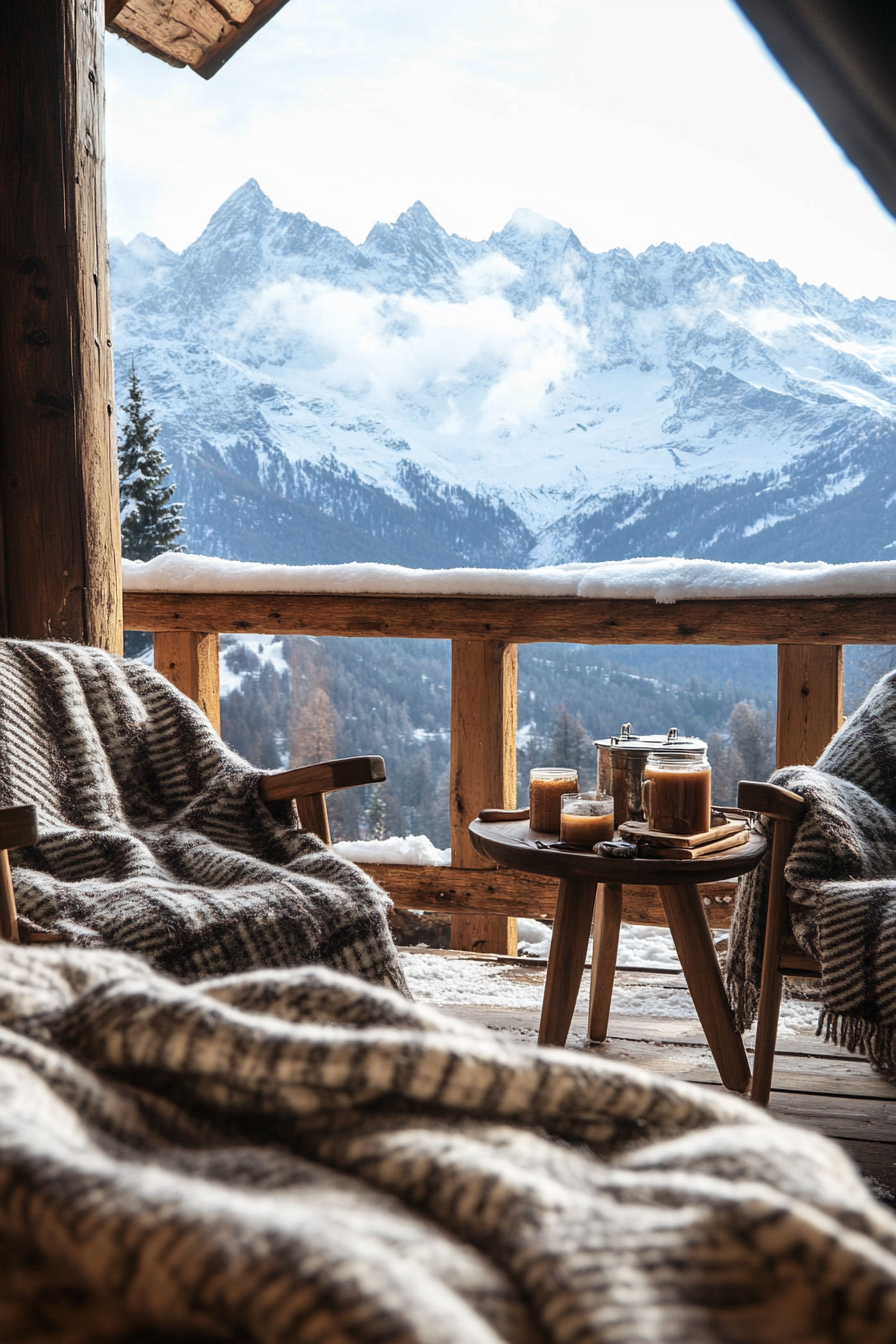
<point x="662" y="1031"/>
<point x="810" y="701"/>
<point x="519" y="620"/>
<point x="800" y="1074"/>
<point x="839" y="1117"/>
<point x="189" y="660"/>
<point x="263" y="12"/>
<point x="58" y="459"/>
<point x="185" y="30"/>
<point x="877" y="1160"/>
<point x="483" y="770"/>
<point x="499" y="891"/>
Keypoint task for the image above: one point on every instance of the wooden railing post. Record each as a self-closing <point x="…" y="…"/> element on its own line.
<point x="810" y="700"/>
<point x="189" y="659"/>
<point x="483" y="769"/>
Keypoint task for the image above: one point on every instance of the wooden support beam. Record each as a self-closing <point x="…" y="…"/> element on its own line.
<point x="499" y="891"/>
<point x="189" y="659"/>
<point x="58" y="459"/>
<point x="810" y="701"/>
<point x="521" y="620"/>
<point x="483" y="769"/>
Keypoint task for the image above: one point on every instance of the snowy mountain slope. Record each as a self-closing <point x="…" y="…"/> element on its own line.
<point x="427" y="399"/>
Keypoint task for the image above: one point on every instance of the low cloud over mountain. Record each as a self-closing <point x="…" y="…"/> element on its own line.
<point x="425" y="399"/>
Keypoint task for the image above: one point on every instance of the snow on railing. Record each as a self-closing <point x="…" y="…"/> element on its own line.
<point x="665" y="579"/>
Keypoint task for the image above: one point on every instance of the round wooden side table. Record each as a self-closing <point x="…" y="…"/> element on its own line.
<point x="591" y="887"/>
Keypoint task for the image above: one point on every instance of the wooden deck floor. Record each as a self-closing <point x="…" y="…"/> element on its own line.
<point x="817" y="1085"/>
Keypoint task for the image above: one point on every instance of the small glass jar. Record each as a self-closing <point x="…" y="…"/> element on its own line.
<point x="586" y="818"/>
<point x="677" y="792"/>
<point x="546" y="787"/>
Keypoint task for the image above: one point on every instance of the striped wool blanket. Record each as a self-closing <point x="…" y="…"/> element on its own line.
<point x="841" y="879"/>
<point x="153" y="837"/>
<point x="301" y="1156"/>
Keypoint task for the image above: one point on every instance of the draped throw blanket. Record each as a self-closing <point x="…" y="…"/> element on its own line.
<point x="841" y="880"/>
<point x="302" y="1156"/>
<point x="153" y="837"/>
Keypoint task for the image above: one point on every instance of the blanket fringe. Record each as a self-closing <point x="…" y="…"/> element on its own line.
<point x="875" y="1040"/>
<point x="744" y="999"/>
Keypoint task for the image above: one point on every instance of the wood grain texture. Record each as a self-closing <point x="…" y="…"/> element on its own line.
<point x="607" y="919"/>
<point x="511" y="844"/>
<point x="185" y="30"/>
<point x="18" y="826"/>
<point x="770" y="799"/>
<point x="58" y="460"/>
<point x="323" y="777"/>
<point x="262" y="12"/>
<point x="9" y="928"/>
<point x="810" y="701"/>
<point x="499" y="891"/>
<point x="697" y="954"/>
<point x="569" y="944"/>
<point x="482" y="769"/>
<point x="201" y="34"/>
<point x="189" y="660"/>
<point x="312" y="810"/>
<point x="520" y="620"/>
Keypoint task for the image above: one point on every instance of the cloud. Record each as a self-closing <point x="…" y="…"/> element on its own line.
<point x="476" y="365"/>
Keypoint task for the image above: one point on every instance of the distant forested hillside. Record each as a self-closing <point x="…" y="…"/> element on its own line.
<point x="302" y="699"/>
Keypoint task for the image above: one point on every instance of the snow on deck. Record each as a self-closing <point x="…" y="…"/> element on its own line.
<point x="664" y="580"/>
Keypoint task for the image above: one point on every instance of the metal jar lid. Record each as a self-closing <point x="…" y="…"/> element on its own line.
<point x="645" y="742"/>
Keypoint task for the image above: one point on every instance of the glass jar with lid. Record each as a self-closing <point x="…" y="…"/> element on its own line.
<point x="677" y="793"/>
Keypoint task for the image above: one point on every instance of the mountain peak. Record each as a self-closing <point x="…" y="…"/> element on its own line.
<point x="247" y="203"/>
<point x="532" y="223"/>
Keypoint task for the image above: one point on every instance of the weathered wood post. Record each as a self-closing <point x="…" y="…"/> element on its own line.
<point x="810" y="701"/>
<point x="483" y="769"/>
<point x="189" y="659"/>
<point x="61" y="550"/>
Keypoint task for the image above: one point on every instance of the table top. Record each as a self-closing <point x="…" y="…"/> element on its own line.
<point x="512" y="845"/>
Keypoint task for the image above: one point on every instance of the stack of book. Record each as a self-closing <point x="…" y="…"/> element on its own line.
<point x="728" y="834"/>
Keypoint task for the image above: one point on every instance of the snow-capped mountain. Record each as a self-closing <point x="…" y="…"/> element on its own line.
<point x="425" y="399"/>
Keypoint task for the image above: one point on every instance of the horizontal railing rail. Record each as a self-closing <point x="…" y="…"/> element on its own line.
<point x="484" y="631"/>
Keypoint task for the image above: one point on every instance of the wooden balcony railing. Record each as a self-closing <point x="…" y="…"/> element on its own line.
<point x="485" y="631"/>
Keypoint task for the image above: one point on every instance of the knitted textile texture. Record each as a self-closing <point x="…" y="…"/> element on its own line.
<point x="300" y="1156"/>
<point x="841" y="881"/>
<point x="153" y="837"/>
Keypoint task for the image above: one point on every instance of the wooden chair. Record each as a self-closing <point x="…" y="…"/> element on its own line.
<point x="307" y="787"/>
<point x="781" y="954"/>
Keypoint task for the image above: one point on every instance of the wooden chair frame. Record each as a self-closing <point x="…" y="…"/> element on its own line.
<point x="307" y="787"/>
<point x="781" y="954"/>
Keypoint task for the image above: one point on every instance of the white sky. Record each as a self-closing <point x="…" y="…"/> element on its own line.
<point x="631" y="121"/>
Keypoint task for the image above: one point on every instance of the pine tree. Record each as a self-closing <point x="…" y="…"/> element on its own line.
<point x="150" y="523"/>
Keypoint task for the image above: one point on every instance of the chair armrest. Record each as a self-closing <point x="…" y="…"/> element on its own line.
<point x="325" y="777"/>
<point x="771" y="800"/>
<point x="18" y="827"/>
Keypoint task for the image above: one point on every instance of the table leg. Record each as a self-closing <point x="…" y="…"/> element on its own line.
<point x="569" y="947"/>
<point x="607" y="918"/>
<point x="696" y="951"/>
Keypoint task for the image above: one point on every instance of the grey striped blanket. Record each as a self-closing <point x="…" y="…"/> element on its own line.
<point x="302" y="1156"/>
<point x="841" y="879"/>
<point x="153" y="837"/>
